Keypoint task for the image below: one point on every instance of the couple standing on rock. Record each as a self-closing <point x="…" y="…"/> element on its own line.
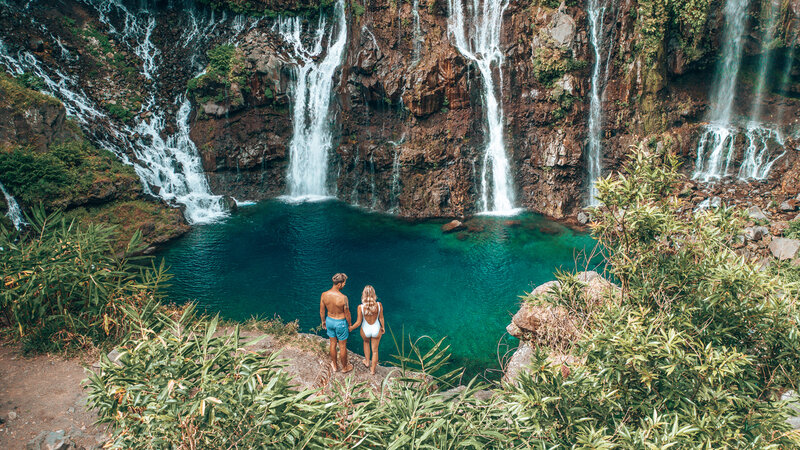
<point x="338" y="323"/>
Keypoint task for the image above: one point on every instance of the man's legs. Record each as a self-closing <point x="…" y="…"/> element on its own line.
<point x="346" y="366"/>
<point x="335" y="367"/>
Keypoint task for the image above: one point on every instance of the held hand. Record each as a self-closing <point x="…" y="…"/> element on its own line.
<point x="382" y="331"/>
<point x="324" y="326"/>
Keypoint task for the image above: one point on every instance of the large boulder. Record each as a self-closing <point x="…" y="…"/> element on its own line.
<point x="784" y="248"/>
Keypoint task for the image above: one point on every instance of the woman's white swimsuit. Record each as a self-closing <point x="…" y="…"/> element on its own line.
<point x="371" y="330"/>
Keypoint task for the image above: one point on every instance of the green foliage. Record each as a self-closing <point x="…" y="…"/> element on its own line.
<point x="551" y="63"/>
<point x="64" y="286"/>
<point x="34" y="177"/>
<point x="272" y="8"/>
<point x="793" y="232"/>
<point x="220" y="57"/>
<point x="683" y="21"/>
<point x="59" y="176"/>
<point x="553" y="4"/>
<point x="120" y="112"/>
<point x="31" y="81"/>
<point x="224" y="69"/>
<point x="357" y="8"/>
<point x="20" y="93"/>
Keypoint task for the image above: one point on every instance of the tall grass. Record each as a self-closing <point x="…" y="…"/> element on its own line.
<point x="64" y="285"/>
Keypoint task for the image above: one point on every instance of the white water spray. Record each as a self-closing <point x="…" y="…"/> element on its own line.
<point x="479" y="41"/>
<point x="13" y="213"/>
<point x="719" y="136"/>
<point x="312" y="137"/>
<point x="758" y="153"/>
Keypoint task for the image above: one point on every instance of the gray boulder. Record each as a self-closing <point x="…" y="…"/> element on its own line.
<point x="755" y="233"/>
<point x="784" y="248"/>
<point x="755" y="213"/>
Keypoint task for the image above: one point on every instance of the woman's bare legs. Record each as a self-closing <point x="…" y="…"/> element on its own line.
<point x="366" y="348"/>
<point x="374" y="342"/>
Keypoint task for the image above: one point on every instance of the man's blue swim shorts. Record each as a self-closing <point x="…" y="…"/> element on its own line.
<point x="337" y="328"/>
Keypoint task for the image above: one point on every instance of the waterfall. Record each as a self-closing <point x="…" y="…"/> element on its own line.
<point x="764" y="61"/>
<point x="167" y="162"/>
<point x="758" y="158"/>
<point x="417" y="32"/>
<point x="596" y="15"/>
<point x="312" y="136"/>
<point x="396" y="171"/>
<point x="719" y="136"/>
<point x="479" y="41"/>
<point x="13" y="213"/>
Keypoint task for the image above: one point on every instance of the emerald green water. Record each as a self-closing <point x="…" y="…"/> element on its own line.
<point x="276" y="258"/>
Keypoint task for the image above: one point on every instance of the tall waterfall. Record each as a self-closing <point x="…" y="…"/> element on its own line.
<point x="312" y="136"/>
<point x="595" y="149"/>
<point x="758" y="153"/>
<point x="476" y="32"/>
<point x="417" y="32"/>
<point x="716" y="147"/>
<point x="167" y="161"/>
<point x="13" y="213"/>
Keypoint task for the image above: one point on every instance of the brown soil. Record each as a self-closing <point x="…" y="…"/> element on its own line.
<point x="45" y="393"/>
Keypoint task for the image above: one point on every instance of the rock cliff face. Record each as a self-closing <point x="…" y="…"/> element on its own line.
<point x="408" y="114"/>
<point x="411" y="124"/>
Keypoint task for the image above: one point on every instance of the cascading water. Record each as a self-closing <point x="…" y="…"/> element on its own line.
<point x="417" y="32"/>
<point x="476" y="33"/>
<point x="312" y="137"/>
<point x="396" y="165"/>
<point x="595" y="150"/>
<point x="13" y="213"/>
<point x="765" y="60"/>
<point x="758" y="157"/>
<point x="167" y="162"/>
<point x="719" y="136"/>
<point x="172" y="163"/>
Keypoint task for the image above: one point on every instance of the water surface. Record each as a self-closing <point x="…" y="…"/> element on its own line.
<point x="275" y="258"/>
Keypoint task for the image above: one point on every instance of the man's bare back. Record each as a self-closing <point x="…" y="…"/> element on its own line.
<point x="337" y="323"/>
<point x="335" y="302"/>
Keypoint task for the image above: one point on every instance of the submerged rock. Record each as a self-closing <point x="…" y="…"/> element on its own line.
<point x="453" y="225"/>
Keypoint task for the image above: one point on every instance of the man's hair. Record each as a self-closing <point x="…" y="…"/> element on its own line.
<point x="339" y="278"/>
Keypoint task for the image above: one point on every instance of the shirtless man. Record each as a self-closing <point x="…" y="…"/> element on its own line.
<point x="337" y="322"/>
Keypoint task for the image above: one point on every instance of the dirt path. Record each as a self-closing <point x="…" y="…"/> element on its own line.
<point x="45" y="394"/>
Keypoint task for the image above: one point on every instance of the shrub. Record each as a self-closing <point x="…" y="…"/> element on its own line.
<point x="793" y="232"/>
<point x="62" y="175"/>
<point x="31" y="81"/>
<point x="62" y="283"/>
<point x="34" y="177"/>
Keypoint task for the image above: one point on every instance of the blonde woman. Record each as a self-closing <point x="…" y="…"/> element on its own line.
<point x="370" y="317"/>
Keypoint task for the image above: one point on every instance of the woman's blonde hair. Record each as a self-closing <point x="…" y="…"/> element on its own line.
<point x="369" y="300"/>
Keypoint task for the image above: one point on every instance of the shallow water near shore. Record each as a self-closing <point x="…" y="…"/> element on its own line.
<point x="275" y="258"/>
